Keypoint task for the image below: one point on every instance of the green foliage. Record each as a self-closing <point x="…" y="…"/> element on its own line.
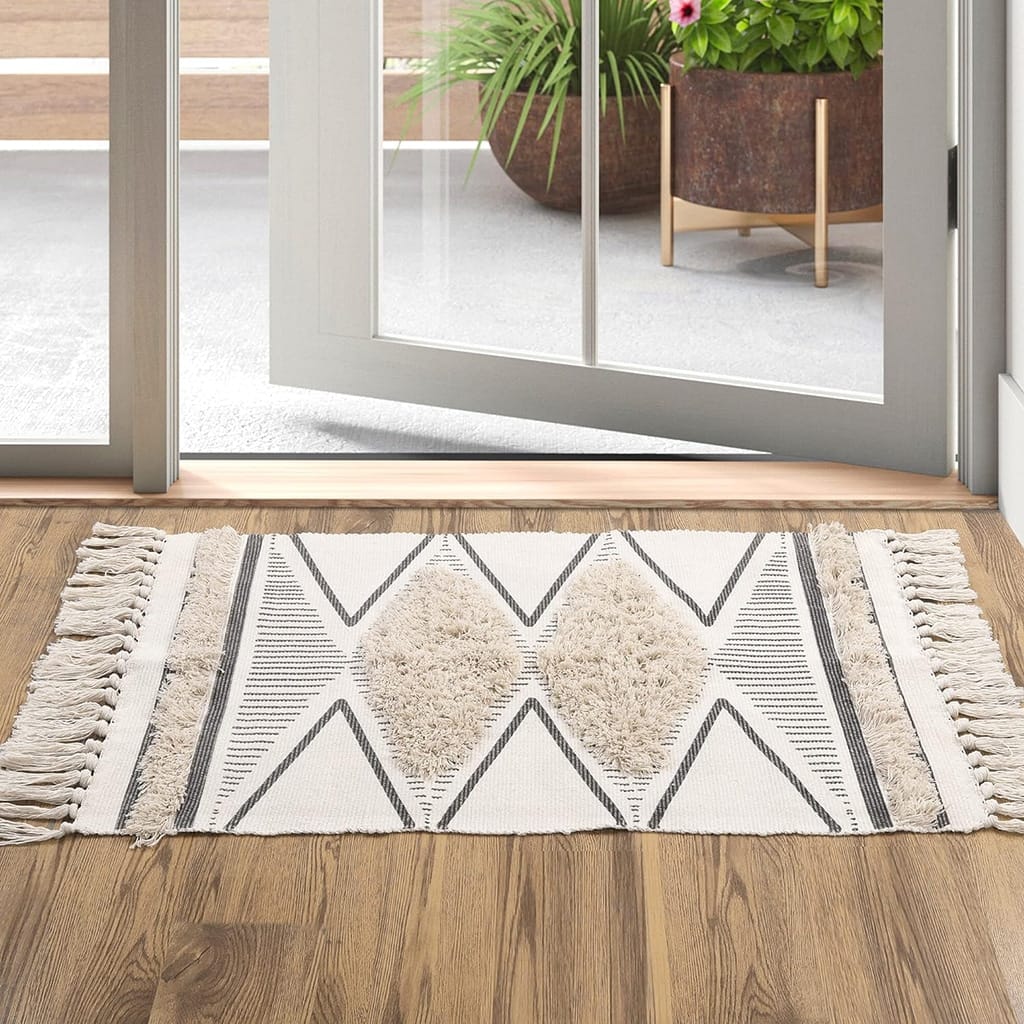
<point x="534" y="47"/>
<point x="784" y="35"/>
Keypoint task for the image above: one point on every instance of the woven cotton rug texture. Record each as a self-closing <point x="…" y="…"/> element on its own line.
<point x="821" y="682"/>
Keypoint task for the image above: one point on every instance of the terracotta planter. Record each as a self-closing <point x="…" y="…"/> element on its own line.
<point x="745" y="140"/>
<point x="629" y="166"/>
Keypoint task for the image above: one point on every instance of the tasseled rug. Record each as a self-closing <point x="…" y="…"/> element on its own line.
<point x="821" y="682"/>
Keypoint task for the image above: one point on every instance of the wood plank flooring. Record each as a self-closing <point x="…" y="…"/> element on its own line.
<point x="588" y="928"/>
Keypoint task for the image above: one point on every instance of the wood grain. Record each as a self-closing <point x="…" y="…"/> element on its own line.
<point x="479" y="482"/>
<point x="56" y="28"/>
<point x="208" y="974"/>
<point x="229" y="106"/>
<point x="54" y="106"/>
<point x="409" y="24"/>
<point x="595" y="928"/>
<point x="213" y="106"/>
<point x="209" y="28"/>
<point x="75" y="106"/>
<point x="453" y="117"/>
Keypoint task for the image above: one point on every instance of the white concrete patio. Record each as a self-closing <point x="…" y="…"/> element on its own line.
<point x="474" y="263"/>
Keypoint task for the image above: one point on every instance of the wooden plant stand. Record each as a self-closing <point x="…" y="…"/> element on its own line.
<point x="810" y="228"/>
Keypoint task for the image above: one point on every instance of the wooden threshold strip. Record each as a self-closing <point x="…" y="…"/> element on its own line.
<point x="539" y="483"/>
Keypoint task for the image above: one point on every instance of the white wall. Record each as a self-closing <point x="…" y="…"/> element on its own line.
<point x="1011" y="390"/>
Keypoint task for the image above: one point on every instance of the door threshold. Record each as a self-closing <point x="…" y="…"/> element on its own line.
<point x="566" y="482"/>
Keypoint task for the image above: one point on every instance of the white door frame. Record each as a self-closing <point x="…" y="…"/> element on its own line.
<point x="144" y="237"/>
<point x="324" y="324"/>
<point x="1011" y="383"/>
<point x="143" y="183"/>
<point x="142" y="440"/>
<point x="981" y="216"/>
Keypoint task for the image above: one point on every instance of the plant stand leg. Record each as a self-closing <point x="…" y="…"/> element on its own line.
<point x="668" y="255"/>
<point x="821" y="195"/>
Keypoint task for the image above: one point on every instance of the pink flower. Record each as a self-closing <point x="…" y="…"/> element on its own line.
<point x="685" y="12"/>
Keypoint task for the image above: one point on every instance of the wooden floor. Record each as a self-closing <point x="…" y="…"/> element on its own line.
<point x="588" y="928"/>
<point x="401" y="483"/>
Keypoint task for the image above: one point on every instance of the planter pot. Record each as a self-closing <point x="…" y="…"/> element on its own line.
<point x="629" y="166"/>
<point x="745" y="140"/>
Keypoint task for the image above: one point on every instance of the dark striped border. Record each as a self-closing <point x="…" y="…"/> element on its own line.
<point x="863" y="766"/>
<point x="221" y="686"/>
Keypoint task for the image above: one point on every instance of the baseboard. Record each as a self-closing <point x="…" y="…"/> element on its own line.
<point x="1011" y="453"/>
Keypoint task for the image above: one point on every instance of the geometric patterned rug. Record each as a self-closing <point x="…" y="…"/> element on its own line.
<point x="823" y="682"/>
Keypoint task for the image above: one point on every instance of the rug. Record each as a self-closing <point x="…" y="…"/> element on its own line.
<point x="821" y="682"/>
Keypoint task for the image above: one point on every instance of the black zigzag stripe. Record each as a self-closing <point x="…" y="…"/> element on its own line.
<point x="706" y="617"/>
<point x="528" y="619"/>
<point x="296" y="752"/>
<point x="532" y="704"/>
<point x="717" y="708"/>
<point x="350" y="619"/>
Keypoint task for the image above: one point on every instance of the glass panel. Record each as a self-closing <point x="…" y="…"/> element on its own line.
<point x="739" y="299"/>
<point x="54" y="361"/>
<point x="227" y="402"/>
<point x="479" y="248"/>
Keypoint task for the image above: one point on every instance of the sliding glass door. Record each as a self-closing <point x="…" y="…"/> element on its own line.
<point x="88" y="203"/>
<point x="63" y="389"/>
<point x="578" y="245"/>
<point x="658" y="271"/>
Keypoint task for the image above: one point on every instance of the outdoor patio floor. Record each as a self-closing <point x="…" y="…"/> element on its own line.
<point x="474" y="262"/>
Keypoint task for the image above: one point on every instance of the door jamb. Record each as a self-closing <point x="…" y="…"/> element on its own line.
<point x="143" y="260"/>
<point x="144" y="142"/>
<point x="981" y="207"/>
<point x="148" y="304"/>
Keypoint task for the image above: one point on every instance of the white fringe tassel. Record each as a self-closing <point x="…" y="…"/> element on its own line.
<point x="48" y="762"/>
<point x="983" y="700"/>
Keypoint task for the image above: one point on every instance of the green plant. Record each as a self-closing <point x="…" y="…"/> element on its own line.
<point x="780" y="35"/>
<point x="534" y="47"/>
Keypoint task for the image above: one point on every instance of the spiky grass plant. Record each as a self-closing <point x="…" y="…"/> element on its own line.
<point x="534" y="47"/>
